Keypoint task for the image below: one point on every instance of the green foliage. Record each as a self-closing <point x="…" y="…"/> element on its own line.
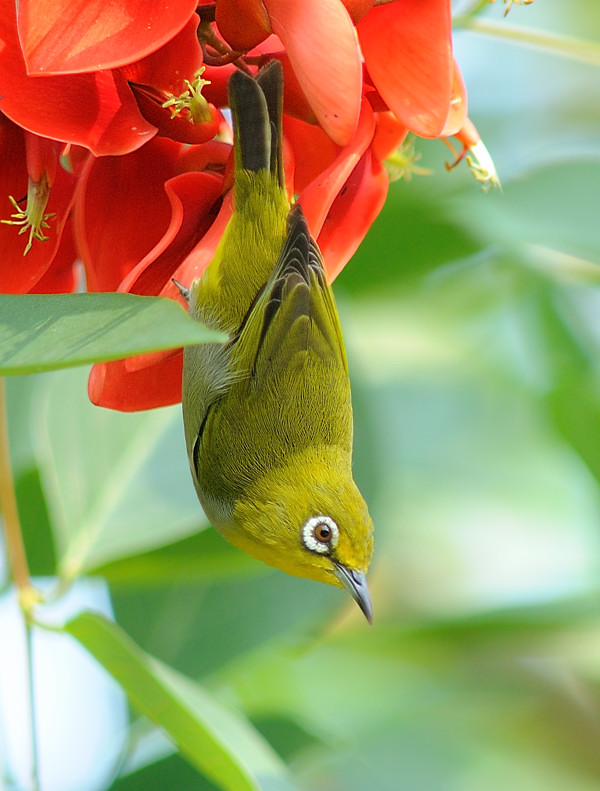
<point x="216" y="740"/>
<point x="471" y="322"/>
<point x="39" y="332"/>
<point x="109" y="478"/>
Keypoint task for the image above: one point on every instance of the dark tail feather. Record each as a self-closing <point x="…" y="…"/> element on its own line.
<point x="257" y="106"/>
<point x="270" y="79"/>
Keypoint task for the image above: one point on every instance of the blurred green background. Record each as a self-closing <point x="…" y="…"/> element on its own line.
<point x="472" y="323"/>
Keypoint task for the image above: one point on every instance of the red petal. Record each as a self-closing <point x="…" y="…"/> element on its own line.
<point x="42" y="157"/>
<point x="314" y="151"/>
<point x="75" y="159"/>
<point x="122" y="211"/>
<point x="19" y="273"/>
<point x="389" y="134"/>
<point x="318" y="196"/>
<point x="457" y="116"/>
<point x="62" y="275"/>
<point x="75" y="36"/>
<point x="468" y="134"/>
<point x="321" y="43"/>
<point x="407" y="47"/>
<point x="242" y="23"/>
<point x="154" y="380"/>
<point x="295" y="102"/>
<point x="352" y="214"/>
<point x="358" y="8"/>
<point x="177" y="128"/>
<point x="111" y="385"/>
<point x="216" y="92"/>
<point x="196" y="262"/>
<point x="192" y="267"/>
<point x="169" y="67"/>
<point x="165" y="72"/>
<point x="212" y="156"/>
<point x="141" y="361"/>
<point x="97" y="111"/>
<point x="193" y="198"/>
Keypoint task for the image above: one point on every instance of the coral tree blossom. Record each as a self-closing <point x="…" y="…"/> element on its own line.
<point x="117" y="158"/>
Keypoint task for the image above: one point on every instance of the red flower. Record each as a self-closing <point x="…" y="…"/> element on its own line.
<point x="85" y="102"/>
<point x="102" y="86"/>
<point x="79" y="36"/>
<point x="408" y="53"/>
<point x="319" y="39"/>
<point x="343" y="190"/>
<point x="185" y="247"/>
<point x="149" y="190"/>
<point x="341" y="194"/>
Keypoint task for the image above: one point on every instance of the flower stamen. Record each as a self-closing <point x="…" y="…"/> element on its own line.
<point x="402" y="164"/>
<point x="191" y="102"/>
<point x="509" y="4"/>
<point x="477" y="156"/>
<point x="33" y="217"/>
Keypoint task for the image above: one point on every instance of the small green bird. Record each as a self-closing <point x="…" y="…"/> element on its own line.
<point x="267" y="414"/>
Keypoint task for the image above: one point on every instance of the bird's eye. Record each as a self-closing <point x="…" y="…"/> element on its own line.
<point x="320" y="534"/>
<point x="323" y="533"/>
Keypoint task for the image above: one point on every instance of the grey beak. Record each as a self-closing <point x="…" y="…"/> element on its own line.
<point x="355" y="583"/>
<point x="185" y="292"/>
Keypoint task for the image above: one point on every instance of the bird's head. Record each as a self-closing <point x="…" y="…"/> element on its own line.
<point x="309" y="519"/>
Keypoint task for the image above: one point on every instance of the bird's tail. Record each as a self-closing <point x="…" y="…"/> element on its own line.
<point x="257" y="107"/>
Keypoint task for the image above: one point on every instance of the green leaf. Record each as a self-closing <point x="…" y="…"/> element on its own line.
<point x="115" y="484"/>
<point x="198" y="626"/>
<point x="565" y="196"/>
<point x="35" y="524"/>
<point x="203" y="556"/>
<point x="220" y="742"/>
<point x="172" y="771"/>
<point x="39" y="332"/>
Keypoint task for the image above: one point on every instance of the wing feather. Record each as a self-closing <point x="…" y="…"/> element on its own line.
<point x="294" y="315"/>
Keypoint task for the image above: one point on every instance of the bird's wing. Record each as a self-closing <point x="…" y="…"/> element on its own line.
<point x="294" y="317"/>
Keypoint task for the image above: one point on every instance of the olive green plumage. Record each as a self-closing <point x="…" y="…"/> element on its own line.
<point x="268" y="415"/>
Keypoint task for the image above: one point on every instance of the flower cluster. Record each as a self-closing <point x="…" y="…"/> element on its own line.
<point x="116" y="153"/>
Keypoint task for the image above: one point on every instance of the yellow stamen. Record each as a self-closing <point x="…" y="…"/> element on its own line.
<point x="33" y="217"/>
<point x="482" y="166"/>
<point x="191" y="100"/>
<point x="509" y="4"/>
<point x="402" y="163"/>
<point x="480" y="161"/>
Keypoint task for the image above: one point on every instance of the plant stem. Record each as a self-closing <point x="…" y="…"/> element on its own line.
<point x="19" y="570"/>
<point x="563" y="46"/>
<point x="17" y="559"/>
<point x="35" y="772"/>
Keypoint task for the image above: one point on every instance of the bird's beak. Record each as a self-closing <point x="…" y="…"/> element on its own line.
<point x="355" y="583"/>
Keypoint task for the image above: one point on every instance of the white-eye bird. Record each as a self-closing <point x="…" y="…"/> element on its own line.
<point x="267" y="414"/>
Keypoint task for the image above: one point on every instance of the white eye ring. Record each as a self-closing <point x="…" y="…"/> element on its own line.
<point x="309" y="534"/>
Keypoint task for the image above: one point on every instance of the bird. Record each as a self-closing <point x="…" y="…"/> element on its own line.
<point x="267" y="411"/>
